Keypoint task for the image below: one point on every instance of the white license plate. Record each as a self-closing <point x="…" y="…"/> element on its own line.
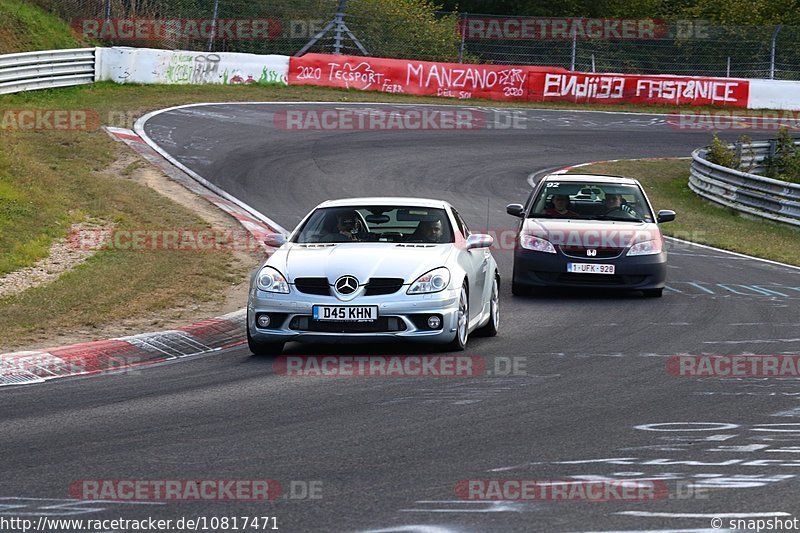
<point x="590" y="268"/>
<point x="345" y="313"/>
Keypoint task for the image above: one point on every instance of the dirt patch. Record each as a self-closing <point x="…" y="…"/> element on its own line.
<point x="129" y="166"/>
<point x="83" y="241"/>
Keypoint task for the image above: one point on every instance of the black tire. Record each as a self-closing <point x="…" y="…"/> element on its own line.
<point x="491" y="327"/>
<point x="263" y="349"/>
<point x="653" y="293"/>
<point x="459" y="343"/>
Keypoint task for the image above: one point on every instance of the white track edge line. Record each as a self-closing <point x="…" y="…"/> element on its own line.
<point x="138" y="127"/>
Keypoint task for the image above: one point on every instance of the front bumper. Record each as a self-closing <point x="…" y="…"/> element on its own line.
<point x="537" y="269"/>
<point x="401" y="314"/>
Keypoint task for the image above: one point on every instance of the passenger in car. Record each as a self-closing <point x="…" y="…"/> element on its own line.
<point x="560" y="207"/>
<point x="347" y="228"/>
<point x="615" y="205"/>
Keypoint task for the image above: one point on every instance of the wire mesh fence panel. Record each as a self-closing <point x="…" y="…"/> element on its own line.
<point x="405" y="29"/>
<point x="635" y="46"/>
<point x="787" y="53"/>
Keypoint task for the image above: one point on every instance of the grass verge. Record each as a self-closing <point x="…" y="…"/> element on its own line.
<point x="26" y="27"/>
<point x="666" y="183"/>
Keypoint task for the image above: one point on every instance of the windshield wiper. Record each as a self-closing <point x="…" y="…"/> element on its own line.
<point x="619" y="219"/>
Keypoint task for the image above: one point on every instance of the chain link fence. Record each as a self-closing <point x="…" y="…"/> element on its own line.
<point x="395" y="29"/>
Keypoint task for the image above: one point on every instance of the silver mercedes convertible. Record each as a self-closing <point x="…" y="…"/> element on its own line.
<point x="375" y="269"/>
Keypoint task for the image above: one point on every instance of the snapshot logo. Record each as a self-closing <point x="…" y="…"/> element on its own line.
<point x="179" y="239"/>
<point x="734" y="366"/>
<point x="139" y="29"/>
<point x="398" y="119"/>
<point x="561" y="490"/>
<point x="729" y="120"/>
<point x="193" y="489"/>
<point x="49" y="120"/>
<point x="534" y="28"/>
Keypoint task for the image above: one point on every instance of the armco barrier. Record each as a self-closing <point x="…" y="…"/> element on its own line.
<point x="44" y="70"/>
<point x="746" y="192"/>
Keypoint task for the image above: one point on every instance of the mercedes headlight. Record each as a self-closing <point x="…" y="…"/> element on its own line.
<point x="436" y="280"/>
<point x="270" y="280"/>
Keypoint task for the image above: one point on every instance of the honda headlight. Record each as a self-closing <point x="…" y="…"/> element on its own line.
<point x="270" y="280"/>
<point x="436" y="280"/>
<point x="537" y="244"/>
<point x="651" y="247"/>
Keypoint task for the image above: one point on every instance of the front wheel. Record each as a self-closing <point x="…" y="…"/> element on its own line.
<point x="491" y="327"/>
<point x="462" y="327"/>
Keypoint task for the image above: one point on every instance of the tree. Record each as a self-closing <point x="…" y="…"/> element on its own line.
<point x="404" y="28"/>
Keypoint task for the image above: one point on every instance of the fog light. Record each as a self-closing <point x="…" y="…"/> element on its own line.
<point x="434" y="322"/>
<point x="262" y="321"/>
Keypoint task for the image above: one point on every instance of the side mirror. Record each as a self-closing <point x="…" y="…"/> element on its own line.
<point x="665" y="215"/>
<point x="515" y="210"/>
<point x="275" y="240"/>
<point x="479" y="240"/>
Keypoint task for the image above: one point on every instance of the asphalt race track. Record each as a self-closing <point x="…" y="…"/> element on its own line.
<point x="591" y="397"/>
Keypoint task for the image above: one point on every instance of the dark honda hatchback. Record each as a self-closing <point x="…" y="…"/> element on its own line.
<point x="587" y="230"/>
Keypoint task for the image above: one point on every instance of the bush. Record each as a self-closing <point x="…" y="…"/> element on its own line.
<point x="720" y="153"/>
<point x="785" y="163"/>
<point x="404" y="28"/>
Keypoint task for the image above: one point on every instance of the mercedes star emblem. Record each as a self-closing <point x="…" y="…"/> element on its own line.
<point x="346" y="285"/>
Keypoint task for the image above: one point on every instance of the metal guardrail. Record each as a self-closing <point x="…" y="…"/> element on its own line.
<point x="744" y="191"/>
<point x="47" y="69"/>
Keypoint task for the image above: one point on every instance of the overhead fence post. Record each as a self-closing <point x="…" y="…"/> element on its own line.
<point x="772" y="51"/>
<point x="574" y="45"/>
<point x="464" y="22"/>
<point x="339" y="27"/>
<point x="213" y="35"/>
